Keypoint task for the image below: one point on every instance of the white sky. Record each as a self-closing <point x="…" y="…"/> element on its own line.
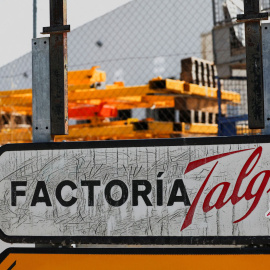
<point x="16" y="21"/>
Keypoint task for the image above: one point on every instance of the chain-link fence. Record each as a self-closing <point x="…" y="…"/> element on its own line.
<point x="144" y="70"/>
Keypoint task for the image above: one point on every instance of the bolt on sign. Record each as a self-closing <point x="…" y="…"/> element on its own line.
<point x="133" y="259"/>
<point x="176" y="191"/>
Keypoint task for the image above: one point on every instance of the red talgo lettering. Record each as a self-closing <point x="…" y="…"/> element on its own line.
<point x="235" y="197"/>
<point x="220" y="201"/>
<point x="244" y="173"/>
<point x="248" y="194"/>
<point x="190" y="214"/>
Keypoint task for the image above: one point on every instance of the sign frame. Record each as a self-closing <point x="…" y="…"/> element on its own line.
<point x="132" y="251"/>
<point x="141" y="240"/>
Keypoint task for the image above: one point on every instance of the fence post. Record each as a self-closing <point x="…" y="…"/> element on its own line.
<point x="219" y="106"/>
<point x="252" y="18"/>
<point x="266" y="72"/>
<point x="58" y="66"/>
<point x="41" y="127"/>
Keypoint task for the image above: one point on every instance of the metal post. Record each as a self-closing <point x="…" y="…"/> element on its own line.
<point x="41" y="90"/>
<point x="49" y="60"/>
<point x="266" y="72"/>
<point x="252" y="18"/>
<point x="219" y="107"/>
<point x="58" y="66"/>
<point x="214" y="12"/>
<point x="34" y="18"/>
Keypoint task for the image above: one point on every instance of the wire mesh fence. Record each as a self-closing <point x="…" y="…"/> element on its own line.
<point x="147" y="69"/>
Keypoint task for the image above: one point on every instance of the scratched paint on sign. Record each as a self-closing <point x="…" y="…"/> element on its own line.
<point x="216" y="190"/>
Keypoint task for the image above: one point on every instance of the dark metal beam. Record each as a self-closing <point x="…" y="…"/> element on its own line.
<point x="252" y="18"/>
<point x="58" y="66"/>
<point x="252" y="6"/>
<point x="34" y="18"/>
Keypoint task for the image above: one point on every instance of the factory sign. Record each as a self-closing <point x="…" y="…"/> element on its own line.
<point x="206" y="190"/>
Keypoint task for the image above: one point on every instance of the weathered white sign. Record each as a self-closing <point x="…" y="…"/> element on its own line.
<point x="102" y="190"/>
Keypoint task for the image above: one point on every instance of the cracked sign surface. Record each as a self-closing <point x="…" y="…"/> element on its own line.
<point x="176" y="190"/>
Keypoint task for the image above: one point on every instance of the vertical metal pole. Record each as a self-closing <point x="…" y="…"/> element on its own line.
<point x="254" y="68"/>
<point x="41" y="127"/>
<point x="214" y="12"/>
<point x="214" y="43"/>
<point x="252" y="17"/>
<point x="219" y="106"/>
<point x="58" y="66"/>
<point x="266" y="72"/>
<point x="34" y="18"/>
<point x="50" y="78"/>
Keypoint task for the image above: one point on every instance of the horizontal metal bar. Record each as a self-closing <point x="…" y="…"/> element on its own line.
<point x="56" y="29"/>
<point x="233" y="119"/>
<point x="252" y="17"/>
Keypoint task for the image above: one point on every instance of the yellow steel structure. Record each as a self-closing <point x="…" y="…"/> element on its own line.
<point x="184" y="88"/>
<point x="158" y="93"/>
<point x="21" y="100"/>
<point x="198" y="128"/>
<point x="115" y="131"/>
<point x="87" y="77"/>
